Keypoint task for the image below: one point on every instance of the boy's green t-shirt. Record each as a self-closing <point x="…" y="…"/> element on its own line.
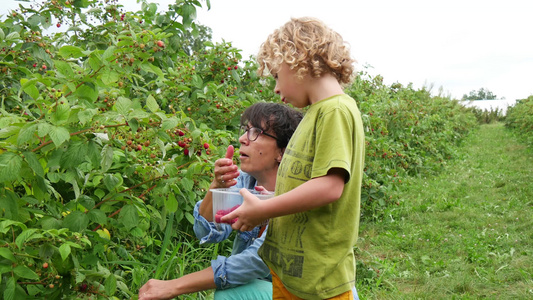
<point x="312" y="251"/>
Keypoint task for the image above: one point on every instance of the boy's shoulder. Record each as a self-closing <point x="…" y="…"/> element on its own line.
<point x="336" y="101"/>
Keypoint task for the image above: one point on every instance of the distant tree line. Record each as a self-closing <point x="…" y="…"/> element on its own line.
<point x="481" y="94"/>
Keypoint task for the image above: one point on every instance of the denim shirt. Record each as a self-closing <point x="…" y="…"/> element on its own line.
<point x="244" y="264"/>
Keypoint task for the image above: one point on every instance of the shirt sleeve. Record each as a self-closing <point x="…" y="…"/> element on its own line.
<point x="334" y="142"/>
<point x="209" y="232"/>
<point x="241" y="268"/>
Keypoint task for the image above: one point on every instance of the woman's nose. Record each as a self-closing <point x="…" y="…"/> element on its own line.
<point x="243" y="139"/>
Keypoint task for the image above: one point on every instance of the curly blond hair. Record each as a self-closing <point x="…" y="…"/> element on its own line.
<point x="308" y="46"/>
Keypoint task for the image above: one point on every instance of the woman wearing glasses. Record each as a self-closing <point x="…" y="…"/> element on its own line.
<point x="265" y="132"/>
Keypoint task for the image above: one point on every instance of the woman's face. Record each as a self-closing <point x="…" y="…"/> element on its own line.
<point x="260" y="157"/>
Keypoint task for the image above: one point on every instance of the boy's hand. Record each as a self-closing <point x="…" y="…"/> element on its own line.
<point x="248" y="215"/>
<point x="225" y="171"/>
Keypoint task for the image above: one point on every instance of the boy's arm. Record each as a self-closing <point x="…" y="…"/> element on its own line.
<point x="312" y="194"/>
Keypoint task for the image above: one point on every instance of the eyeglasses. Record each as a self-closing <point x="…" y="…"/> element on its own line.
<point x="252" y="133"/>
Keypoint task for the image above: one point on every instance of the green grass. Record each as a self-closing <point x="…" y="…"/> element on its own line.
<point x="466" y="233"/>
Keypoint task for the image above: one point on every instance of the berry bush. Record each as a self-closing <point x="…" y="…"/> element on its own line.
<point x="108" y="133"/>
<point x="110" y="123"/>
<point x="519" y="118"/>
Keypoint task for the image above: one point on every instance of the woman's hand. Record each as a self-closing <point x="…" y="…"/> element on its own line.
<point x="157" y="289"/>
<point x="261" y="189"/>
<point x="225" y="171"/>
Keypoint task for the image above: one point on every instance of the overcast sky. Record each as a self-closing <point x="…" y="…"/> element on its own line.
<point x="456" y="45"/>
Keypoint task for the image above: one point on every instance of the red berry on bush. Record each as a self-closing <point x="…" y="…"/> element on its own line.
<point x="83" y="287"/>
<point x="34" y="65"/>
<point x="181" y="133"/>
<point x="229" y="68"/>
<point x="44" y="67"/>
<point x="160" y="44"/>
<point x="206" y="145"/>
<point x="139" y="147"/>
<point x="45" y="265"/>
<point x="236" y="67"/>
<point x="186" y="151"/>
<point x="58" y="25"/>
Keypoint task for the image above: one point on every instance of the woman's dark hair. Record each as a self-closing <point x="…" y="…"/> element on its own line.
<point x="277" y="118"/>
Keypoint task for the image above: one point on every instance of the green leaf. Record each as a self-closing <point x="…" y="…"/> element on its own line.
<point x="97" y="216"/>
<point x="30" y="88"/>
<point x="64" y="68"/>
<point x="123" y="105"/>
<point x="110" y="77"/>
<point x="71" y="52"/>
<point x="235" y="76"/>
<point x="151" y="104"/>
<point x="25" y="272"/>
<point x="169" y="123"/>
<point x="61" y="113"/>
<point x="197" y="81"/>
<point x="128" y="216"/>
<point x="86" y="201"/>
<point x="76" y="221"/>
<point x="2" y="34"/>
<point x="10" y="164"/>
<point x="187" y="184"/>
<point x="24" y="236"/>
<point x="86" y="115"/>
<point x="6" y="253"/>
<point x="134" y="124"/>
<point x="111" y="182"/>
<point x="13" y="36"/>
<point x="110" y="285"/>
<point x="147" y="67"/>
<point x="9" y="131"/>
<point x="189" y="217"/>
<point x="43" y="129"/>
<point x="93" y="154"/>
<point x="188" y="14"/>
<point x="171" y="204"/>
<point x="26" y="133"/>
<point x="107" y="158"/>
<point x="87" y="91"/>
<point x="33" y="162"/>
<point x="59" y="135"/>
<point x="64" y="250"/>
<point x="75" y="155"/>
<point x="9" y="293"/>
<point x="109" y="52"/>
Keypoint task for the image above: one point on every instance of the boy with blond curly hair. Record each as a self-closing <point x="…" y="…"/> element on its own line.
<point x="314" y="218"/>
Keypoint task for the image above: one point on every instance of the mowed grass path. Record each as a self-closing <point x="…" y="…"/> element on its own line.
<point x="464" y="234"/>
